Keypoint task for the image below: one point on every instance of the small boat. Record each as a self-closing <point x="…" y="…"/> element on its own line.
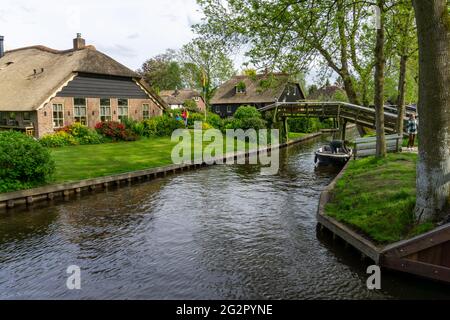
<point x="325" y="156"/>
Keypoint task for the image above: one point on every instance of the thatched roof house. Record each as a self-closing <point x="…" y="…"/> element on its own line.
<point x="32" y="77"/>
<point x="176" y="98"/>
<point x="259" y="90"/>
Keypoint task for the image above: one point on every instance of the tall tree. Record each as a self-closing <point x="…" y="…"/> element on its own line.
<point x="380" y="63"/>
<point x="433" y="170"/>
<point x="402" y="36"/>
<point x="162" y="72"/>
<point x="208" y="62"/>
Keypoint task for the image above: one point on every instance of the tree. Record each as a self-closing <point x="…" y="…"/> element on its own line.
<point x="380" y="64"/>
<point x="162" y="72"/>
<point x="208" y="62"/>
<point x="402" y="36"/>
<point x="433" y="170"/>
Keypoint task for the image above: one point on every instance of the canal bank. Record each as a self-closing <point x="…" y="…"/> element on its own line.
<point x="424" y="255"/>
<point x="223" y="232"/>
<point x="64" y="190"/>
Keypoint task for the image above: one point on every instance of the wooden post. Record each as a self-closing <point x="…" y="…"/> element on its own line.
<point x="344" y="129"/>
<point x="286" y="129"/>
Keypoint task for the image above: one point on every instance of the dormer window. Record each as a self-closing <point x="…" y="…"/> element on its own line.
<point x="241" y="87"/>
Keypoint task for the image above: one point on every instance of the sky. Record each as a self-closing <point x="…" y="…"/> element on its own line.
<point x="130" y="31"/>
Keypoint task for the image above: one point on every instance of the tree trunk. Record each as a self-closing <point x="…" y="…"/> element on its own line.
<point x="433" y="170"/>
<point x="401" y="94"/>
<point x="379" y="85"/>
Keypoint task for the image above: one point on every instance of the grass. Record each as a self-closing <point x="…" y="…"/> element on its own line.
<point x="76" y="163"/>
<point x="377" y="198"/>
<point x="296" y="135"/>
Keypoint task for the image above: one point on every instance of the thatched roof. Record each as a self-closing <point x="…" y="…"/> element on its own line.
<point x="262" y="88"/>
<point x="178" y="97"/>
<point x="21" y="89"/>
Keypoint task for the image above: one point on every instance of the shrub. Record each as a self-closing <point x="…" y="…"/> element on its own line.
<point x="161" y="126"/>
<point x="83" y="134"/>
<point x="214" y="120"/>
<point x="195" y="117"/>
<point x="191" y="105"/>
<point x="253" y="123"/>
<point x="245" y="124"/>
<point x="115" y="131"/>
<point x="244" y="112"/>
<point x="74" y="134"/>
<point x="24" y="162"/>
<point x="58" y="139"/>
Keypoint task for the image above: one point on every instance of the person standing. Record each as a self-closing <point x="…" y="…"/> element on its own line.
<point x="412" y="131"/>
<point x="185" y="117"/>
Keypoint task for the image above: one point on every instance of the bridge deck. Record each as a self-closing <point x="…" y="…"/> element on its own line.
<point x="341" y="110"/>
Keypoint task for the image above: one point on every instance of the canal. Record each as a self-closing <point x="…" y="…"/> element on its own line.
<point x="222" y="232"/>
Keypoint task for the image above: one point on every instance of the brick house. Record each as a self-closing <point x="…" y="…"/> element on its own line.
<point x="258" y="91"/>
<point x="43" y="89"/>
<point x="176" y="98"/>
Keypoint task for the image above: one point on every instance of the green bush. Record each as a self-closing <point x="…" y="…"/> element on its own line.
<point x="58" y="139"/>
<point x="253" y="123"/>
<point x="24" y="162"/>
<point x="191" y="105"/>
<point x="245" y="112"/>
<point x="244" y="124"/>
<point x="74" y="134"/>
<point x="161" y="126"/>
<point x="195" y="117"/>
<point x="214" y="120"/>
<point x="308" y="125"/>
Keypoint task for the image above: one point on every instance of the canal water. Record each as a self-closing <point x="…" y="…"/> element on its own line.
<point x="223" y="232"/>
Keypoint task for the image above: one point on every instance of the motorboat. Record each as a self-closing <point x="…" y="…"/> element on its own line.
<point x="326" y="156"/>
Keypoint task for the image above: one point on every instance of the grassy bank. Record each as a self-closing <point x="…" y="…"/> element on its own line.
<point x="377" y="198"/>
<point x="91" y="161"/>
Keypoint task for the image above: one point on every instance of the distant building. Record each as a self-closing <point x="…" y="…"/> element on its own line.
<point x="258" y="91"/>
<point x="326" y="93"/>
<point x="175" y="99"/>
<point x="43" y="89"/>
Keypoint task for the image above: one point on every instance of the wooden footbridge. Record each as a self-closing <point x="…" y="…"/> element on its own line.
<point x="342" y="111"/>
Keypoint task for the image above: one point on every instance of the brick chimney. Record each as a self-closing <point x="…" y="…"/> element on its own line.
<point x="79" y="43"/>
<point x="2" y="48"/>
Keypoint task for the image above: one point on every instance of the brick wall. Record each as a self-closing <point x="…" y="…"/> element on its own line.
<point x="45" y="115"/>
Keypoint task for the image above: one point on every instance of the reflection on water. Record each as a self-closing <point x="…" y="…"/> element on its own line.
<point x="221" y="232"/>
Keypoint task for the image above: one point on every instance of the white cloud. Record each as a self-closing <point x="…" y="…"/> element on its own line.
<point x="129" y="31"/>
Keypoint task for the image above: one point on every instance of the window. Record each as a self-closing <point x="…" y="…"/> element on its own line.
<point x="229" y="109"/>
<point x="145" y="111"/>
<point x="197" y="99"/>
<point x="123" y="109"/>
<point x="58" y="115"/>
<point x="26" y="116"/>
<point x="105" y="110"/>
<point x="79" y="111"/>
<point x="12" y="116"/>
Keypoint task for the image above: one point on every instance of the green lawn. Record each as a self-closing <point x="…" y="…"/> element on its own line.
<point x="296" y="135"/>
<point x="84" y="162"/>
<point x="91" y="161"/>
<point x="377" y="197"/>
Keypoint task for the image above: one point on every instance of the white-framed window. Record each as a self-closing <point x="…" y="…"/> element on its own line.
<point x="58" y="115"/>
<point x="145" y="111"/>
<point x="229" y="109"/>
<point x="123" y="109"/>
<point x="105" y="110"/>
<point x="80" y="110"/>
<point x="196" y="98"/>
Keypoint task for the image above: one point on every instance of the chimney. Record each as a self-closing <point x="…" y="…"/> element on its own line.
<point x="2" y="48"/>
<point x="79" y="43"/>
